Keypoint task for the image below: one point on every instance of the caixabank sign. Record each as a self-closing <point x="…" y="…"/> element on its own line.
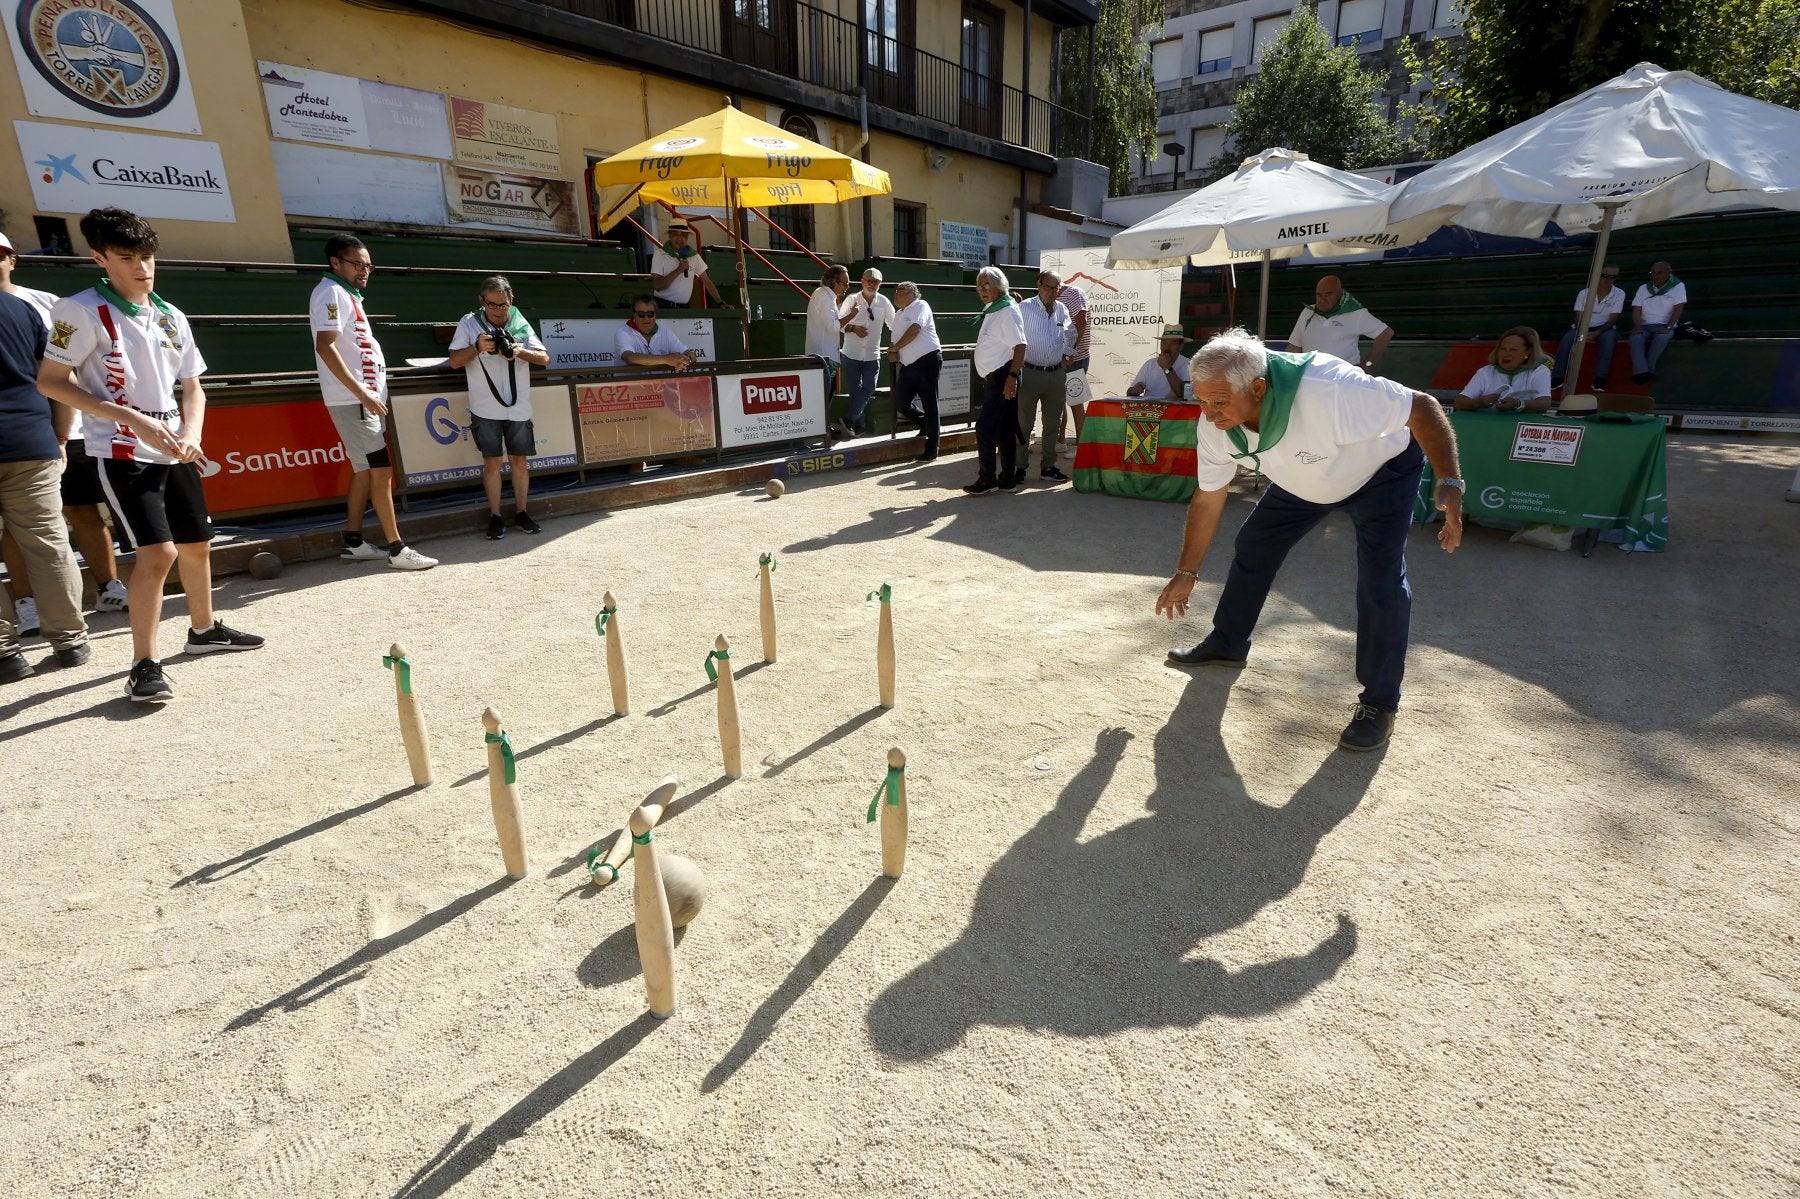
<point x="771" y="406"/>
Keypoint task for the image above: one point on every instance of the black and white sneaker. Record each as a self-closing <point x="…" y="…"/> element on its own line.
<point x="524" y="521"/>
<point x="220" y="638"/>
<point x="496" y="526"/>
<point x="147" y="685"/>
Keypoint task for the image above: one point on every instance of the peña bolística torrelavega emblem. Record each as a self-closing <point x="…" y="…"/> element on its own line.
<point x="109" y="56"/>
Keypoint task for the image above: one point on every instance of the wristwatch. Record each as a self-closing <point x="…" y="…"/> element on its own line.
<point x="1013" y="374"/>
<point x="1456" y="483"/>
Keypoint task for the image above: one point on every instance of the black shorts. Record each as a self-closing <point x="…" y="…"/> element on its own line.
<point x="496" y="437"/>
<point x="156" y="503"/>
<point x="81" y="478"/>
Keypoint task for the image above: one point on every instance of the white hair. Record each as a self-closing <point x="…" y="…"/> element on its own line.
<point x="1236" y="355"/>
<point x="995" y="276"/>
<point x="907" y="285"/>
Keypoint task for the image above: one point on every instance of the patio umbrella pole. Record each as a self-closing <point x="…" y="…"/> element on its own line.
<point x="1262" y="304"/>
<point x="1572" y="379"/>
<point x="737" y="240"/>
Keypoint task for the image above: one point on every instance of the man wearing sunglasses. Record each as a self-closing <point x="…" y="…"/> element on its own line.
<point x="644" y="342"/>
<point x="1602" y="334"/>
<point x="497" y="347"/>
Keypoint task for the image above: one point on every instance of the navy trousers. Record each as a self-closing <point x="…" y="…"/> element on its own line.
<point x="1382" y="512"/>
<point x="997" y="428"/>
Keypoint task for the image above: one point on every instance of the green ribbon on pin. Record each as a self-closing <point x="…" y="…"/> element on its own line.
<point x="504" y="740"/>
<point x="891" y="785"/>
<point x="404" y="666"/>
<point x="649" y="835"/>
<point x="600" y="620"/>
<point x="770" y="559"/>
<point x="886" y="592"/>
<point x="595" y="865"/>
<point x="722" y="655"/>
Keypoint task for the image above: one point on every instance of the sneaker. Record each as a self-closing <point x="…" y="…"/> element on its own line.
<point x="979" y="487"/>
<point x="496" y="527"/>
<point x="147" y="685"/>
<point x="1204" y="655"/>
<point x="363" y="551"/>
<point x="1599" y="386"/>
<point x="27" y="618"/>
<point x="410" y="559"/>
<point x="112" y="597"/>
<point x="1009" y="482"/>
<point x="220" y="638"/>
<point x="927" y="456"/>
<point x="1369" y="728"/>
<point x="14" y="667"/>
<point x="524" y="521"/>
<point x="73" y="655"/>
<point x="1054" y="475"/>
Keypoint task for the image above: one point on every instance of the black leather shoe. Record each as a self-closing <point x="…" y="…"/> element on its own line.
<point x="1204" y="655"/>
<point x="928" y="456"/>
<point x="1369" y="728"/>
<point x="14" y="667"/>
<point x="74" y="655"/>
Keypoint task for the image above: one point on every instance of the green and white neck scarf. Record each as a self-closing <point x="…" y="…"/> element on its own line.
<point x="334" y="277"/>
<point x="1005" y="301"/>
<point x="105" y="288"/>
<point x="1670" y="285"/>
<point x="1285" y="372"/>
<point x="1346" y="304"/>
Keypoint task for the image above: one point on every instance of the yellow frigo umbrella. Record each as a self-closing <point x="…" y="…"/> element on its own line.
<point x="728" y="160"/>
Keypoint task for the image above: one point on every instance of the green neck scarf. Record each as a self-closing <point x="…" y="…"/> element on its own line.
<point x="105" y="288"/>
<point x="516" y="326"/>
<point x="1285" y="371"/>
<point x="1346" y="304"/>
<point x="334" y="277"/>
<point x="1657" y="291"/>
<point x="1005" y="301"/>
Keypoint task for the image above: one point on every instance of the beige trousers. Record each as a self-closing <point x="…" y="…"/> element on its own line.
<point x="31" y="510"/>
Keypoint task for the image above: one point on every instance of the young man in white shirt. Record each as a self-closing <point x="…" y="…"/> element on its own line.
<point x="865" y="313"/>
<point x="642" y="341"/>
<point x="1602" y="331"/>
<point x="1335" y="322"/>
<point x="126" y="359"/>
<point x="353" y="384"/>
<point x="675" y="266"/>
<point x="1655" y="311"/>
<point x="1328" y="438"/>
<point x="918" y="359"/>
<point x="496" y="347"/>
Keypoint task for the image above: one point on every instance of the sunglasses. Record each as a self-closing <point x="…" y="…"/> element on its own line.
<point x="640" y="314"/>
<point x="1604" y="275"/>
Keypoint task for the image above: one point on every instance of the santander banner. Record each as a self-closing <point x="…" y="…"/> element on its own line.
<point x="267" y="455"/>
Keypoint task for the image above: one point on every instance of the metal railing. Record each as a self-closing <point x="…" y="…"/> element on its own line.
<point x="811" y="45"/>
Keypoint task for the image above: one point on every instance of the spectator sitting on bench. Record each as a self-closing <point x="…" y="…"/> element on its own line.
<point x="1516" y="378"/>
<point x="1602" y="333"/>
<point x="1655" y="311"/>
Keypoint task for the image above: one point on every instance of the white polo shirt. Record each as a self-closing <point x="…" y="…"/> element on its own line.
<point x="1000" y="332"/>
<point x="138" y="360"/>
<point x="822" y="333"/>
<point x="916" y="314"/>
<point x="335" y="310"/>
<point x="681" y="288"/>
<point x="1156" y="384"/>
<point x="1334" y="335"/>
<point x="873" y="314"/>
<point x="662" y="340"/>
<point x="499" y="388"/>
<point x="1655" y="310"/>
<point x="1523" y="385"/>
<point x="1610" y="304"/>
<point x="1343" y="427"/>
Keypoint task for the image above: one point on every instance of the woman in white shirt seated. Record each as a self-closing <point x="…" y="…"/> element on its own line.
<point x="1516" y="378"/>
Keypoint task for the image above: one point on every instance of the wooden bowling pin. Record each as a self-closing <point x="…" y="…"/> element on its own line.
<point x="893" y="820"/>
<point x="615" y="655"/>
<point x="650" y="904"/>
<point x="604" y="871"/>
<point x="412" y="716"/>
<point x="884" y="647"/>
<point x="729" y="743"/>
<point x="503" y="794"/>
<point x="767" y="563"/>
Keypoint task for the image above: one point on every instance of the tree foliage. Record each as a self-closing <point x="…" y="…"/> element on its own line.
<point x="1520" y="57"/>
<point x="1312" y="95"/>
<point x="1124" y="88"/>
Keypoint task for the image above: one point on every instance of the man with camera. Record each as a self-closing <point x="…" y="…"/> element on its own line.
<point x="497" y="348"/>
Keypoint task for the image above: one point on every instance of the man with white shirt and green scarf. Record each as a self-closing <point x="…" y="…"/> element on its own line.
<point x="1335" y="323"/>
<point x="1329" y="438"/>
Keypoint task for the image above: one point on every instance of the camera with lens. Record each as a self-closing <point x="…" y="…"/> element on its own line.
<point x="504" y="344"/>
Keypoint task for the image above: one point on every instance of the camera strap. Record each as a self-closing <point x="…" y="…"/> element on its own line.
<point x="512" y="377"/>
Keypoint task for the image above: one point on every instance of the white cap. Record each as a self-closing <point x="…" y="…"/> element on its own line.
<point x="6" y="244"/>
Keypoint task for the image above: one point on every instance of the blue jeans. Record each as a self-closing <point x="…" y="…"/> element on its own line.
<point x="1604" y="343"/>
<point x="1382" y="512"/>
<point x="1643" y="361"/>
<point x="859" y="381"/>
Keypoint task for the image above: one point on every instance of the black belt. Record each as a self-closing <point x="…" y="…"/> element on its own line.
<point x="1032" y="366"/>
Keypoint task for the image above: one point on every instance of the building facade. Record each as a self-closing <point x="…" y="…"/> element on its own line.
<point x="226" y="121"/>
<point x="1208" y="49"/>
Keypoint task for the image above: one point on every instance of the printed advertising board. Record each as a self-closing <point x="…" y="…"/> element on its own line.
<point x="505" y="138"/>
<point x="265" y="455"/>
<point x="954" y="383"/>
<point x="432" y="430"/>
<point x="341" y="110"/>
<point x="325" y="181"/>
<point x="770" y="406"/>
<point x="1127" y="310"/>
<point x="968" y="244"/>
<point x="1556" y="444"/>
<point x="118" y="62"/>
<point x="636" y="419"/>
<point x="587" y="344"/>
<point x="478" y="197"/>
<point x="74" y="169"/>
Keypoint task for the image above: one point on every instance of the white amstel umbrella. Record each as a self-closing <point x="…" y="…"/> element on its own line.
<point x="1277" y="204"/>
<point x="1643" y="147"/>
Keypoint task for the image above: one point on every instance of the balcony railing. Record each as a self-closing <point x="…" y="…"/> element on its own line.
<point x="808" y="44"/>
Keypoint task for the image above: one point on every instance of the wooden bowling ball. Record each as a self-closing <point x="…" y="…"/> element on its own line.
<point x="265" y="565"/>
<point x="775" y="488"/>
<point x="684" y="885"/>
